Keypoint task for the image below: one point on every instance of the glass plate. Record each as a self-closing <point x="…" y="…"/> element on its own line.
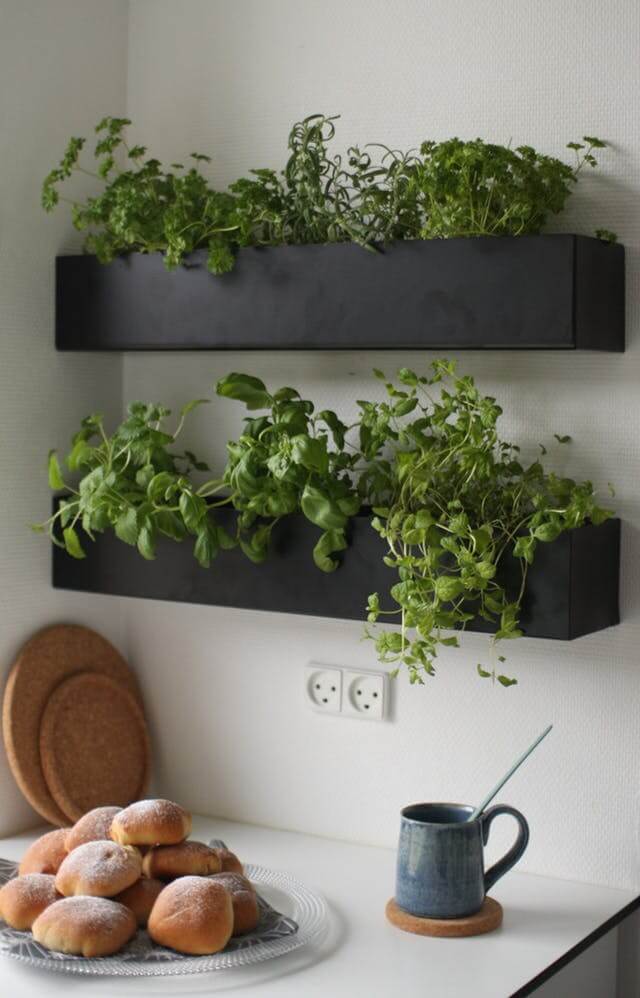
<point x="303" y="921"/>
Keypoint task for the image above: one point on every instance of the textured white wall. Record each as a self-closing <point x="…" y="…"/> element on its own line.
<point x="224" y="687"/>
<point x="62" y="66"/>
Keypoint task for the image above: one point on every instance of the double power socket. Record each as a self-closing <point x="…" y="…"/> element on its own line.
<point x="347" y="692"/>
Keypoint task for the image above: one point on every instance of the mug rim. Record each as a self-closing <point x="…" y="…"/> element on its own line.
<point x="440" y="824"/>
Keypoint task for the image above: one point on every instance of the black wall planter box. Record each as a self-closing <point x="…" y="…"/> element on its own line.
<point x="572" y="588"/>
<point x="549" y="292"/>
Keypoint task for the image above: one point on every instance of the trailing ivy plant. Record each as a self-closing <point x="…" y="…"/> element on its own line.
<point x="450" y="498"/>
<point x="371" y="196"/>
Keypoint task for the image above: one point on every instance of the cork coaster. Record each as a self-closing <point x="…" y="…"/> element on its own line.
<point x="486" y="920"/>
<point x="94" y="746"/>
<point x="48" y="658"/>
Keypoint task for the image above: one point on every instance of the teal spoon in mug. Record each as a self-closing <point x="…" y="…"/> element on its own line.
<point x="525" y="755"/>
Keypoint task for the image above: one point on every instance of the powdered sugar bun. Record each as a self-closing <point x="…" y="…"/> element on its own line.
<point x="185" y="859"/>
<point x="229" y="862"/>
<point x="192" y="915"/>
<point x="86" y="926"/>
<point x="140" y="898"/>
<point x="246" y="913"/>
<point x="24" y="898"/>
<point x="92" y="827"/>
<point x="99" y="869"/>
<point x="151" y="823"/>
<point x="45" y="854"/>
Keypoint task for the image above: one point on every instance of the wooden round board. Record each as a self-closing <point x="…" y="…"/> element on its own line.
<point x="486" y="920"/>
<point x="44" y="662"/>
<point x="94" y="746"/>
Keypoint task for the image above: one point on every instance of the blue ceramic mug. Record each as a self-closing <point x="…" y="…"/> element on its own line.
<point x="440" y="871"/>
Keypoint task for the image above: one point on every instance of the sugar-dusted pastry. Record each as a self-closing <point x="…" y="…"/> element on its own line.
<point x="246" y="913"/>
<point x="192" y="915"/>
<point x="45" y="854"/>
<point x="92" y="827"/>
<point x="184" y="860"/>
<point x="229" y="862"/>
<point x="140" y="898"/>
<point x="24" y="898"/>
<point x="99" y="869"/>
<point x="151" y="823"/>
<point x="86" y="926"/>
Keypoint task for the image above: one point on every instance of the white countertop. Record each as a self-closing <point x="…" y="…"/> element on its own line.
<point x="362" y="954"/>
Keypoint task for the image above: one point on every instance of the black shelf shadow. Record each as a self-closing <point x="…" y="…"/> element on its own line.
<point x="561" y="292"/>
<point x="571" y="590"/>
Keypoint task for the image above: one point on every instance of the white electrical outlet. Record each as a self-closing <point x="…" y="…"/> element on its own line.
<point x="364" y="695"/>
<point x="323" y="688"/>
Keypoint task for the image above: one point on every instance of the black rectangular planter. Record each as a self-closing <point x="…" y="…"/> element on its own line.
<point x="572" y="588"/>
<point x="548" y="292"/>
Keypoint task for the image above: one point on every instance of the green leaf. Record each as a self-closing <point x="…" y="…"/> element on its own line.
<point x="485" y="569"/>
<point x="169" y="524"/>
<point x="311" y="453"/>
<point x="318" y="507"/>
<point x="337" y="427"/>
<point x="160" y="486"/>
<point x="225" y="540"/>
<point x="190" y="406"/>
<point x="257" y="547"/>
<point x="192" y="508"/>
<point x="448" y="587"/>
<point x="147" y="542"/>
<point x="244" y="388"/>
<point x="206" y="546"/>
<point x="126" y="527"/>
<point x="566" y="439"/>
<point x="483" y="672"/>
<point x="330" y="542"/>
<point x="547" y="532"/>
<point x="72" y="543"/>
<point x="505" y="681"/>
<point x="404" y="407"/>
<point x="56" y="481"/>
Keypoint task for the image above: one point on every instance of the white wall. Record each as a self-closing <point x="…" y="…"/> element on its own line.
<point x="62" y="66"/>
<point x="232" y="734"/>
<point x="224" y="688"/>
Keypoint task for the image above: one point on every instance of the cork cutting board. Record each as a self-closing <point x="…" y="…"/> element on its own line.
<point x="94" y="746"/>
<point x="49" y="657"/>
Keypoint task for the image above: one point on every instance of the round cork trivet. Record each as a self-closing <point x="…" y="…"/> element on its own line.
<point x="48" y="658"/>
<point x="486" y="920"/>
<point x="94" y="746"/>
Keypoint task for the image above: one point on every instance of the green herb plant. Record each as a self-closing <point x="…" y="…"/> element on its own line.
<point x="452" y="499"/>
<point x="143" y="207"/>
<point x="133" y="483"/>
<point x="449" y="496"/>
<point x="371" y="197"/>
<point x="290" y="460"/>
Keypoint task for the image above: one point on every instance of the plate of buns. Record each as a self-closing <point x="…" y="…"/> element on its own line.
<point x="125" y="892"/>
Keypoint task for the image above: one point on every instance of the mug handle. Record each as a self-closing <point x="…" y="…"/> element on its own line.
<point x="515" y="852"/>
